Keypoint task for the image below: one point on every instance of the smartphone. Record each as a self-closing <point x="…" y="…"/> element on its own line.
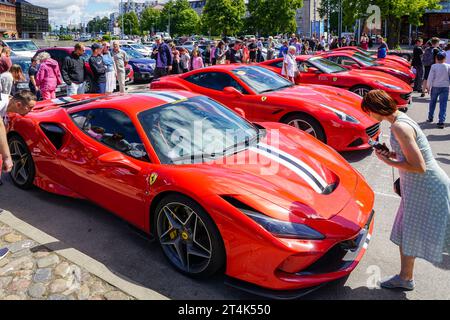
<point x="378" y="146"/>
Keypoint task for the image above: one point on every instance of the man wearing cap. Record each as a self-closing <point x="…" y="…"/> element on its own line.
<point x="163" y="56"/>
<point x="438" y="84"/>
<point x="98" y="68"/>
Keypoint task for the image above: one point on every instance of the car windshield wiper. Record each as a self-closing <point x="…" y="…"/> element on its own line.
<point x="276" y="89"/>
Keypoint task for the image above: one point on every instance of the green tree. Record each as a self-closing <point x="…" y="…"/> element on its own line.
<point x="391" y="11"/>
<point x="224" y="17"/>
<point x="130" y="23"/>
<point x="97" y="25"/>
<point x="176" y="13"/>
<point x="187" y="22"/>
<point x="150" y="19"/>
<point x="273" y="16"/>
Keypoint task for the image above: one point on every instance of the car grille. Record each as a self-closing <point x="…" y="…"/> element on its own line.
<point x="406" y="96"/>
<point x="373" y="130"/>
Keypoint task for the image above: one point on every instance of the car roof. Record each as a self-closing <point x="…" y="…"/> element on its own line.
<point x="128" y="103"/>
<point x="67" y="49"/>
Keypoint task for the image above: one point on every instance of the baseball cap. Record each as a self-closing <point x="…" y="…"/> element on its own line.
<point x="441" y="55"/>
<point x="96" y="46"/>
<point x="157" y="37"/>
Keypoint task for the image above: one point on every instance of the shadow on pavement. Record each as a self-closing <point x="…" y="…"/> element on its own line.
<point x="435" y="137"/>
<point x="356" y="156"/>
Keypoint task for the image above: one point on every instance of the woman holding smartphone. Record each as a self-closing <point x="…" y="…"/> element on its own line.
<point x="422" y="224"/>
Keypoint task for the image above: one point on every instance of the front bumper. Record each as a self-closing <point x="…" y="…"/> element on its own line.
<point x="140" y="76"/>
<point x="336" y="263"/>
<point x="352" y="138"/>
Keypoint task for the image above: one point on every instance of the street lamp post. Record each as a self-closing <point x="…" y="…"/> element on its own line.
<point x="340" y="19"/>
<point x="122" y="13"/>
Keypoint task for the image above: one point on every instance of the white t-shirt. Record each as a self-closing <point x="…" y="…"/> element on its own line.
<point x="292" y="67"/>
<point x="4" y="101"/>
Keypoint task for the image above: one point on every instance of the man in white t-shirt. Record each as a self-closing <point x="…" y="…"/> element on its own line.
<point x="21" y="103"/>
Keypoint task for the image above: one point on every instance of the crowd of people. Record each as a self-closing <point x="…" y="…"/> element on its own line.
<point x="432" y="67"/>
<point x="45" y="74"/>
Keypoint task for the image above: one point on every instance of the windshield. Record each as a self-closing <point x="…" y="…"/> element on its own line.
<point x="133" y="53"/>
<point x="367" y="61"/>
<point x="195" y="130"/>
<point x="326" y="66"/>
<point x="137" y="46"/>
<point x="22" y="46"/>
<point x="261" y="80"/>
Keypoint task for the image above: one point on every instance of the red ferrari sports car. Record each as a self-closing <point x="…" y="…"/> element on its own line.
<point x="318" y="70"/>
<point x="389" y="58"/>
<point x="332" y="115"/>
<point x="356" y="60"/>
<point x="275" y="208"/>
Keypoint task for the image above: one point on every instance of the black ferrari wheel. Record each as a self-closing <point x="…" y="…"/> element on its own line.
<point x="188" y="236"/>
<point x="360" y="90"/>
<point x="308" y="124"/>
<point x="23" y="171"/>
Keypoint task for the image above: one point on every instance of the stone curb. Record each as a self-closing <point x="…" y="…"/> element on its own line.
<point x="91" y="265"/>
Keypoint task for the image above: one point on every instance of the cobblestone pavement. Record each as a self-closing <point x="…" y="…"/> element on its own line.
<point x="31" y="272"/>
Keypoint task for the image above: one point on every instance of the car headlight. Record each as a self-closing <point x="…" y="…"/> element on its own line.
<point x="389" y="86"/>
<point x="341" y="115"/>
<point x="142" y="66"/>
<point x="284" y="229"/>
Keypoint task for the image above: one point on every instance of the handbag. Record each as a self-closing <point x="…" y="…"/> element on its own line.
<point x="397" y="187"/>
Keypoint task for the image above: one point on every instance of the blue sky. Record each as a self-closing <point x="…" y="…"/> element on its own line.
<point x="75" y="11"/>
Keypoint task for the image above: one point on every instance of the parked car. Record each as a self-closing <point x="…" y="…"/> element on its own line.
<point x="60" y="53"/>
<point x="212" y="208"/>
<point x="389" y="58"/>
<point x="23" y="48"/>
<point x="143" y="50"/>
<point x="356" y="60"/>
<point x="318" y="70"/>
<point x="143" y="67"/>
<point x="331" y="115"/>
<point x="25" y="64"/>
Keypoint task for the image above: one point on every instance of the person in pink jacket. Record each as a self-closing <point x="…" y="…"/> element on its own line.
<point x="48" y="76"/>
<point x="197" y="61"/>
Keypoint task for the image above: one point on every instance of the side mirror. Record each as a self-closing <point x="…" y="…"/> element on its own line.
<point x="117" y="159"/>
<point x="313" y="70"/>
<point x="232" y="92"/>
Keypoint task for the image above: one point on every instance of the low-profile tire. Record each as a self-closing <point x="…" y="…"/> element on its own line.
<point x="308" y="124"/>
<point x="23" y="171"/>
<point x="361" y="90"/>
<point x="89" y="85"/>
<point x="188" y="236"/>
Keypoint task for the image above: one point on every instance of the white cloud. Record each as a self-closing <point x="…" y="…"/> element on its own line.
<point x="69" y="11"/>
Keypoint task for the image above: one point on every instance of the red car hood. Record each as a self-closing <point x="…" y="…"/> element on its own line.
<point x="382" y="77"/>
<point x="270" y="177"/>
<point x="339" y="99"/>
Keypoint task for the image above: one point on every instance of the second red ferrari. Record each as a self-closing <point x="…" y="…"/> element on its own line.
<point x="332" y="115"/>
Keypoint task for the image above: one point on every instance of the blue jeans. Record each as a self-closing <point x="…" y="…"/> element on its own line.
<point x="100" y="87"/>
<point x="441" y="93"/>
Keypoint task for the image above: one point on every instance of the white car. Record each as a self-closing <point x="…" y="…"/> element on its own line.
<point x="21" y="48"/>
<point x="139" y="48"/>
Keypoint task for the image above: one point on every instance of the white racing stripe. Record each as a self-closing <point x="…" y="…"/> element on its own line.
<point x="290" y="166"/>
<point x="157" y="96"/>
<point x="299" y="162"/>
<point x="174" y="95"/>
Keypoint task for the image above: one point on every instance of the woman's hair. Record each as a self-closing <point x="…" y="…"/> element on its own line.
<point x="43" y="56"/>
<point x="379" y="102"/>
<point x="6" y="51"/>
<point x="221" y="44"/>
<point x="17" y="72"/>
<point x="292" y="48"/>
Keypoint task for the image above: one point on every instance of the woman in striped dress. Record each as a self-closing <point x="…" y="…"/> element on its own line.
<point x="422" y="225"/>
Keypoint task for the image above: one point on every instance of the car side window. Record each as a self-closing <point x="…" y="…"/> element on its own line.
<point x="303" y="66"/>
<point x="215" y="81"/>
<point x="278" y="64"/>
<point x="346" y="61"/>
<point x="114" y="129"/>
<point x="335" y="59"/>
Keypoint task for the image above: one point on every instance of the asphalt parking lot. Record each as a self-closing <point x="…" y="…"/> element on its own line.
<point x="100" y="235"/>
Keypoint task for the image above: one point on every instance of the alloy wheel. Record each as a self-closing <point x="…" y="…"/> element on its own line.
<point x="21" y="158"/>
<point x="184" y="238"/>
<point x="304" y="126"/>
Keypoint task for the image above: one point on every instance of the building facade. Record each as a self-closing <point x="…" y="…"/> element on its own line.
<point x="128" y="6"/>
<point x="32" y="21"/>
<point x="308" y="19"/>
<point x="8" y="26"/>
<point x="436" y="23"/>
